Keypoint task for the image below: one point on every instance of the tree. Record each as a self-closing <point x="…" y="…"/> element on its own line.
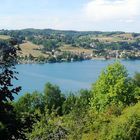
<point x="41" y="58"/>
<point x="80" y="102"/>
<point x="137" y="79"/>
<point x="53" y="98"/>
<point x="29" y="103"/>
<point x="8" y="121"/>
<point x="113" y="87"/>
<point x="7" y="66"/>
<point x="29" y="109"/>
<point x="69" y="104"/>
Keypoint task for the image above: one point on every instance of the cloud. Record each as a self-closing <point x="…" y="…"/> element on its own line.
<point x="101" y="10"/>
<point x="105" y="15"/>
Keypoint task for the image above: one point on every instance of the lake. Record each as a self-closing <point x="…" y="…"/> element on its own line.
<point x="68" y="76"/>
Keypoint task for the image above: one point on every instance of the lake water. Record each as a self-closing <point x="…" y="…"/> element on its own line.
<point x="68" y="76"/>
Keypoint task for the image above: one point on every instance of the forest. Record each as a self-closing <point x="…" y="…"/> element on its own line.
<point x="110" y="110"/>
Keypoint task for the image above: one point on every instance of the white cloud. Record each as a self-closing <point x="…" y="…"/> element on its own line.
<point x="105" y="15"/>
<point x="99" y="10"/>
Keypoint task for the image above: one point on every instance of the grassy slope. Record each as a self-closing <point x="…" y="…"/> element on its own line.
<point x="127" y="37"/>
<point x="69" y="48"/>
<point x="30" y="48"/>
<point x="4" y="37"/>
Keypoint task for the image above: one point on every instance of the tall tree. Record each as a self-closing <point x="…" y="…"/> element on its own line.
<point x="8" y="56"/>
<point x="113" y="87"/>
<point x="53" y="98"/>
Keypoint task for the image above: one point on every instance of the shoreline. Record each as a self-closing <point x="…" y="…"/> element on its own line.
<point x="94" y="58"/>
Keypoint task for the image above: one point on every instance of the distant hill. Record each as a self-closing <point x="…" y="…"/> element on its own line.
<point x="48" y="40"/>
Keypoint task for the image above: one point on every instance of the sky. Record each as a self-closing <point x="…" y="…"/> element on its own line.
<point x="82" y="15"/>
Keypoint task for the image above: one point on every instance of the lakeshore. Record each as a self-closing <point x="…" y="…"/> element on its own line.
<point x="71" y="60"/>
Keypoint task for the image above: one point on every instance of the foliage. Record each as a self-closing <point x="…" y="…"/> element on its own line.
<point x="48" y="128"/>
<point x="8" y="119"/>
<point x="110" y="111"/>
<point x="137" y="79"/>
<point x="68" y="125"/>
<point x="30" y="103"/>
<point x="53" y="98"/>
<point x="113" y="87"/>
<point x="126" y="126"/>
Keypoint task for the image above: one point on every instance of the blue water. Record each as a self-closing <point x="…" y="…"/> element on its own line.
<point x="68" y="76"/>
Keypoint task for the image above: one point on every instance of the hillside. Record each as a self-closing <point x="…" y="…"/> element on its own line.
<point x="28" y="48"/>
<point x="4" y="37"/>
<point x="45" y="42"/>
